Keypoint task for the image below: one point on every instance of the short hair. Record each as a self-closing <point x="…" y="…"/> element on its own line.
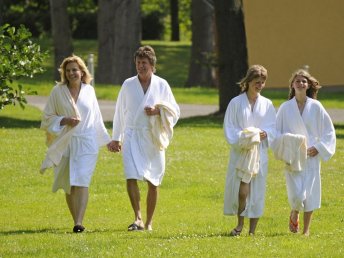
<point x="146" y="52"/>
<point x="313" y="83"/>
<point x="86" y="77"/>
<point x="255" y="71"/>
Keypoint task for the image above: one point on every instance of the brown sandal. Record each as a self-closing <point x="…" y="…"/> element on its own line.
<point x="293" y="226"/>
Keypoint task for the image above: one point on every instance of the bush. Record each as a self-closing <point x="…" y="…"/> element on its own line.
<point x="19" y="57"/>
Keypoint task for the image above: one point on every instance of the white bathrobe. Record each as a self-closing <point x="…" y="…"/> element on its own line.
<point x="143" y="159"/>
<point x="238" y="117"/>
<point x="73" y="151"/>
<point x="304" y="187"/>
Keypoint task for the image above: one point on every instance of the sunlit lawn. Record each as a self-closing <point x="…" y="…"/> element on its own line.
<point x="34" y="222"/>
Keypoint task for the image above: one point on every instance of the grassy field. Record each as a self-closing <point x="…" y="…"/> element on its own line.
<point x="189" y="221"/>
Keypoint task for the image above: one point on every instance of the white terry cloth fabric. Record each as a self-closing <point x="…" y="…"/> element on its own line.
<point x="60" y="104"/>
<point x="304" y="188"/>
<point x="238" y="117"/>
<point x="292" y="149"/>
<point x="248" y="163"/>
<point x="162" y="126"/>
<point x="73" y="151"/>
<point x="142" y="158"/>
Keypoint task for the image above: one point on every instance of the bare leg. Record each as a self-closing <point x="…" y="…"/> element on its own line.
<point x="134" y="196"/>
<point x="243" y="193"/>
<point x="77" y="202"/>
<point x="253" y="225"/>
<point x="80" y="204"/>
<point x="307" y="216"/>
<point x="70" y="203"/>
<point x="152" y="197"/>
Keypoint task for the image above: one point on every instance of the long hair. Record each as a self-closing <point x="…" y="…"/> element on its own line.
<point x="255" y="71"/>
<point x="86" y="77"/>
<point x="313" y="84"/>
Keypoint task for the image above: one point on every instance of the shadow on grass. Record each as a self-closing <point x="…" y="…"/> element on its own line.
<point x="213" y="120"/>
<point x="28" y="231"/>
<point x="339" y="135"/>
<point x="9" y="122"/>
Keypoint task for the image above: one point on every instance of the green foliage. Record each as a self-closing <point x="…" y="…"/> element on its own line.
<point x="189" y="220"/>
<point x="19" y="57"/>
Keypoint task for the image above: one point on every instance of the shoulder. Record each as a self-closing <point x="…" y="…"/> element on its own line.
<point x="237" y="99"/>
<point x="130" y="80"/>
<point x="315" y="105"/>
<point x="286" y="104"/>
<point x="57" y="89"/>
<point x="265" y="100"/>
<point x="161" y="81"/>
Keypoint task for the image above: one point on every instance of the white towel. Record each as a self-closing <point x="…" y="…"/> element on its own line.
<point x="248" y="163"/>
<point x="292" y="149"/>
<point x="162" y="126"/>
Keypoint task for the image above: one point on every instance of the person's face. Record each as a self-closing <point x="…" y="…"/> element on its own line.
<point x="256" y="85"/>
<point x="73" y="72"/>
<point x="300" y="84"/>
<point x="143" y="67"/>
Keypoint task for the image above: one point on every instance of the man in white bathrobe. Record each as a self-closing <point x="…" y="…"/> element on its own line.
<point x="248" y="114"/>
<point x="141" y="99"/>
<point x="303" y="115"/>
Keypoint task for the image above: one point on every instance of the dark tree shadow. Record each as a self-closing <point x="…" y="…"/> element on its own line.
<point x="9" y="122"/>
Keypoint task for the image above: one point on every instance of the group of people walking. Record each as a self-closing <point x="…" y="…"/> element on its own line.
<point x="301" y="134"/>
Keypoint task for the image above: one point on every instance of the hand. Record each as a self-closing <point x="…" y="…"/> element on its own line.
<point x="263" y="135"/>
<point x="312" y="151"/>
<point x="114" y="146"/>
<point x="152" y="111"/>
<point x="71" y="121"/>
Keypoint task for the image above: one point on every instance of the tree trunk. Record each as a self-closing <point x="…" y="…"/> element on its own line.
<point x="1" y="12"/>
<point x="62" y="35"/>
<point x="174" y="20"/>
<point x="231" y="49"/>
<point x="202" y="50"/>
<point x="119" y="36"/>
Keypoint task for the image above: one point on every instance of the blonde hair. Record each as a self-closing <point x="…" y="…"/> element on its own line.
<point x="313" y="83"/>
<point x="86" y="76"/>
<point x="255" y="71"/>
<point x="146" y="52"/>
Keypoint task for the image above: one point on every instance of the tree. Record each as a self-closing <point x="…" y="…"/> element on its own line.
<point x="200" y="68"/>
<point x="174" y="20"/>
<point x="119" y="36"/>
<point x="62" y="35"/>
<point x="19" y="57"/>
<point x="232" y="62"/>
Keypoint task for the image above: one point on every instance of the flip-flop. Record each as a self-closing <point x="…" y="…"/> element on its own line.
<point x="293" y="226"/>
<point x="235" y="232"/>
<point x="135" y="227"/>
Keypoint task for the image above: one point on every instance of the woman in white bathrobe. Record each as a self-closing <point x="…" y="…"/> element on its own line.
<point x="75" y="131"/>
<point x="143" y="100"/>
<point x="248" y="112"/>
<point x="303" y="115"/>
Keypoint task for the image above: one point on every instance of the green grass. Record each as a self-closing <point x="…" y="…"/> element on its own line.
<point x="188" y="221"/>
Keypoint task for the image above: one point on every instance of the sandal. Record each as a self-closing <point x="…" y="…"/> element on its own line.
<point x="293" y="226"/>
<point x="135" y="227"/>
<point x="235" y="232"/>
